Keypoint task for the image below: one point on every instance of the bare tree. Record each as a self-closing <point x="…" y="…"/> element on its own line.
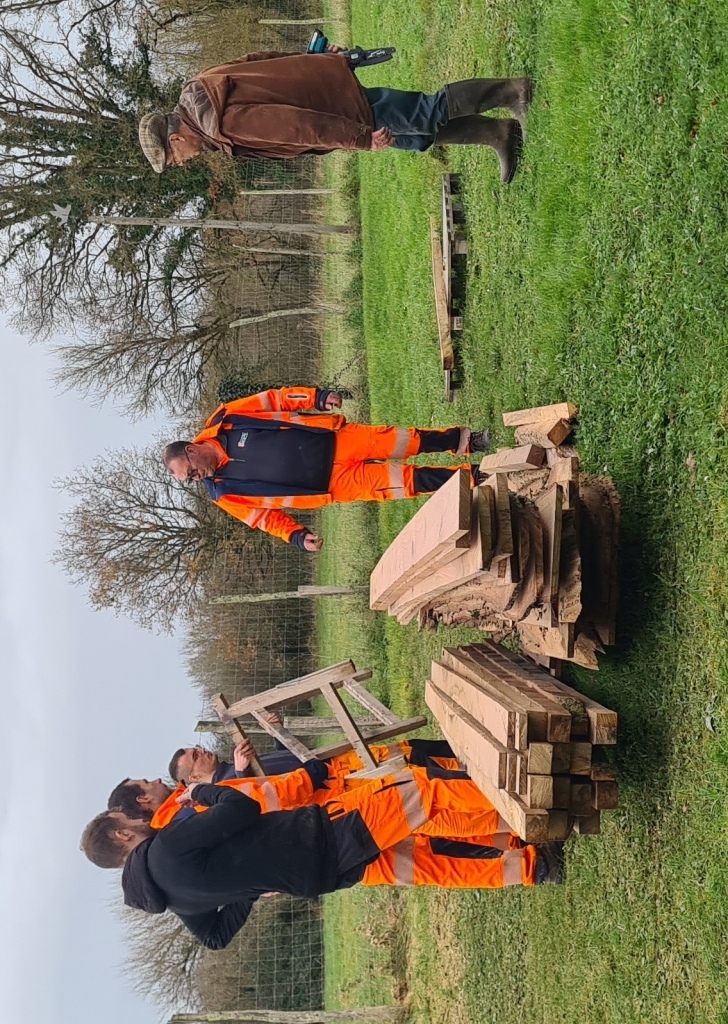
<point x="140" y="541"/>
<point x="163" y="958"/>
<point x="69" y="154"/>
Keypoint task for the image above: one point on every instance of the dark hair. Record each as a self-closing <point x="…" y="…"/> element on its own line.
<point x="124" y="798"/>
<point x="174" y="764"/>
<point x="175" y="450"/>
<point x="100" y="844"/>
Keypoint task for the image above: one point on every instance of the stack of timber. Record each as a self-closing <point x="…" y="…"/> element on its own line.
<point x="448" y="254"/>
<point x="532" y="551"/>
<point x="530" y="743"/>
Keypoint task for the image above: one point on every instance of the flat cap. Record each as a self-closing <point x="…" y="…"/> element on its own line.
<point x="153" y="139"/>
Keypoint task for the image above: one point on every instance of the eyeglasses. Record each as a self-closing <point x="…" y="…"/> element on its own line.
<point x="191" y="471"/>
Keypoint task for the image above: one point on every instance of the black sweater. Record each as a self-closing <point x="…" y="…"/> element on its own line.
<point x="210" y="869"/>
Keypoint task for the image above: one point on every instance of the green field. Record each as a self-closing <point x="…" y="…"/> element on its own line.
<point x="599" y="276"/>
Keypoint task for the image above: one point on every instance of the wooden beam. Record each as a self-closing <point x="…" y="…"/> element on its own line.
<point x="441" y="525"/>
<point x="295" y="689"/>
<point x="561" y="758"/>
<point x="539" y="759"/>
<point x="580" y="801"/>
<point x="234" y="729"/>
<point x="540" y="791"/>
<point x="549" y="506"/>
<point x="529" y="719"/>
<point x="385" y="733"/>
<point x="442" y="308"/>
<point x="479" y="702"/>
<point x="558" y="719"/>
<point x="605" y="795"/>
<point x="562" y="791"/>
<point x="348" y="726"/>
<point x="498" y="484"/>
<point x="371" y="1015"/>
<point x="561" y="410"/>
<point x="602" y="721"/>
<point x="588" y="824"/>
<point x="513" y="460"/>
<point x="473" y="738"/>
<point x="289" y="741"/>
<point x="581" y="758"/>
<point x="380" y="712"/>
<point x="467" y="566"/>
<point x="530" y="824"/>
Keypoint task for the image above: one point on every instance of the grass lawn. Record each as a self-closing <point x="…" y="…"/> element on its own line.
<point x="599" y="276"/>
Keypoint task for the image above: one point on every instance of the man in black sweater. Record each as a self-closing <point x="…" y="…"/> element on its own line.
<point x="209" y="869"/>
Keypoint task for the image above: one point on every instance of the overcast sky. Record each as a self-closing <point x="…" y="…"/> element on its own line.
<point x="87" y="699"/>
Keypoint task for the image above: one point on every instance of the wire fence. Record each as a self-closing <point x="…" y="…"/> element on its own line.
<point x="290" y="297"/>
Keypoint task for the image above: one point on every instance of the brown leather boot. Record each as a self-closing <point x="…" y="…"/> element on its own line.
<point x="504" y="136"/>
<point x="476" y="95"/>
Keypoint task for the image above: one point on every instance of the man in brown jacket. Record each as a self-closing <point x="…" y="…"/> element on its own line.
<point x="282" y="105"/>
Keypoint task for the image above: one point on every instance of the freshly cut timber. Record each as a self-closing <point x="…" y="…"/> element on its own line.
<point x="498" y="711"/>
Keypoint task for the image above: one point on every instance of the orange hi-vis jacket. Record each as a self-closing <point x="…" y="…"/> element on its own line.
<point x="294" y="406"/>
<point x="272" y="792"/>
<point x="294" y="789"/>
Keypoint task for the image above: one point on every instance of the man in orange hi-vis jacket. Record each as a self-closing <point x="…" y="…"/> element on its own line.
<point x="288" y="448"/>
<point x="300" y="784"/>
<point x="210" y="868"/>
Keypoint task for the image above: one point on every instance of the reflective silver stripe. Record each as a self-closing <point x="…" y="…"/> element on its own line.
<point x="394" y="750"/>
<point x="401" y="444"/>
<point x="403" y="862"/>
<point x="280" y="501"/>
<point x="265" y="403"/>
<point x="512" y="861"/>
<point x="414" y="809"/>
<point x="396" y="480"/>
<point x="503" y="825"/>
<point x="271" y="796"/>
<point x="500" y="840"/>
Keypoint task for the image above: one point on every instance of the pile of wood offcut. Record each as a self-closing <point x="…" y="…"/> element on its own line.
<point x="533" y="550"/>
<point x="529" y="742"/>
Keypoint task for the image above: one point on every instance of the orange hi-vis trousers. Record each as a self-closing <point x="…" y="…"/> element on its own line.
<point x="485" y="862"/>
<point x="410" y="801"/>
<point x="367" y="464"/>
<point x="398" y="809"/>
<point x="341" y="767"/>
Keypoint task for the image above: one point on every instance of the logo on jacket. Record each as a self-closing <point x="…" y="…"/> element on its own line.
<point x="243" y="439"/>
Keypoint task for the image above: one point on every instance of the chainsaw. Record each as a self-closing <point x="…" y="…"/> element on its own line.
<point x="358" y="57"/>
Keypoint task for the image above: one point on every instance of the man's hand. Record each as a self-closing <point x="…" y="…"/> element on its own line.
<point x="242" y="755"/>
<point x="333" y="401"/>
<point x="187" y="799"/>
<point x="274" y="718"/>
<point x="333" y="48"/>
<point x="381" y="139"/>
<point x="312" y="543"/>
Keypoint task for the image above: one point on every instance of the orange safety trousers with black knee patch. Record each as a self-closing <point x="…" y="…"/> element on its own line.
<point x="395" y="806"/>
<point x="367" y="467"/>
<point x="485" y="862"/>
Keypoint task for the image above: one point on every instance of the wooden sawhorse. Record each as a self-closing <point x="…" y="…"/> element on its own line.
<point x="327" y="682"/>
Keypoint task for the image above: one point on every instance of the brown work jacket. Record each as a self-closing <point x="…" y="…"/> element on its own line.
<point x="278" y="106"/>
